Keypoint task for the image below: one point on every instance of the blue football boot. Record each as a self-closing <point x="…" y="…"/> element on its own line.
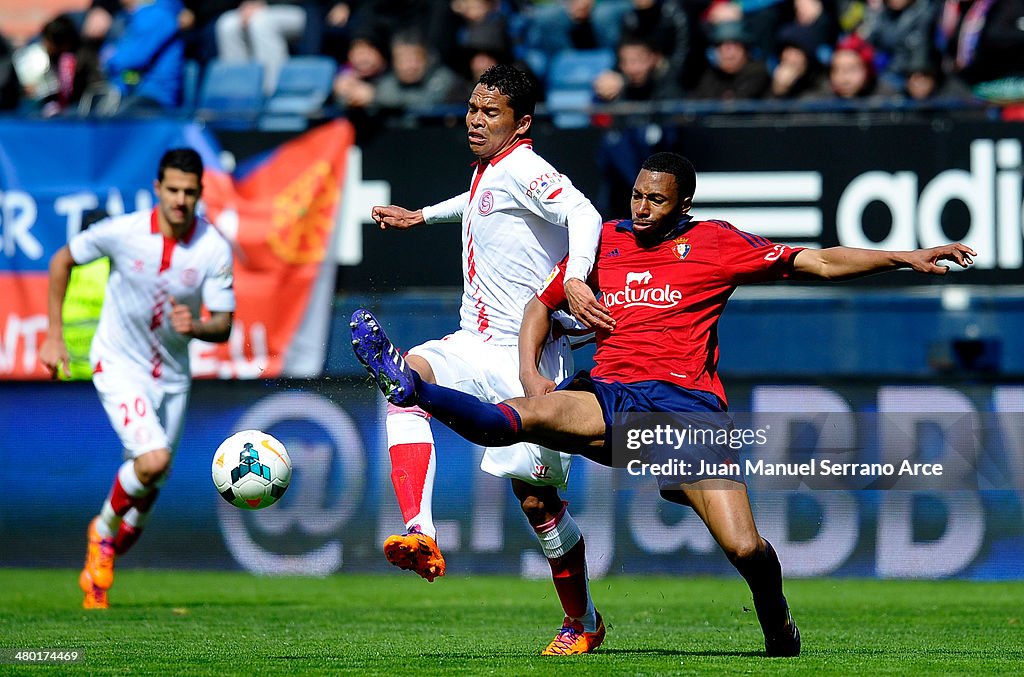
<point x="385" y="363"/>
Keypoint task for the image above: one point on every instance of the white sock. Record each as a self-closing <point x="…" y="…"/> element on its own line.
<point x="411" y="426"/>
<point x="130" y="482"/>
<point x="556" y="539"/>
<point x="109" y="521"/>
<point x="137" y="519"/>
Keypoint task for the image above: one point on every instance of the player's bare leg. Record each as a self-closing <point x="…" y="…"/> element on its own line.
<point x="568" y="420"/>
<point x="724" y="507"/>
<point x="131" y="497"/>
<point x="560" y="538"/>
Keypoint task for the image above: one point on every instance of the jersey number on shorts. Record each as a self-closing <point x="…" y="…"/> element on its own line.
<point x="140" y="410"/>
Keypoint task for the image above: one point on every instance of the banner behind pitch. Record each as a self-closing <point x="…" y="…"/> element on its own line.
<point x="899" y="185"/>
<point x="340" y="506"/>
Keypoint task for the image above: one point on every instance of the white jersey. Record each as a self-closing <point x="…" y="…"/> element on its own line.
<point x="134" y="335"/>
<point x="517" y="220"/>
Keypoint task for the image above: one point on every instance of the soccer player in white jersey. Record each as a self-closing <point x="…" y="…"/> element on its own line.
<point x="519" y="217"/>
<point x="165" y="265"/>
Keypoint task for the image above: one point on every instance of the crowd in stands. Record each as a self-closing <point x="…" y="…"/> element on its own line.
<point x="401" y="55"/>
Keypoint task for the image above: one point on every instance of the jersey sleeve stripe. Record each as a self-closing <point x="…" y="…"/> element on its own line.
<point x="753" y="240"/>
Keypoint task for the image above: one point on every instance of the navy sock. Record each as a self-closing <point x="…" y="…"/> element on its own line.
<point x="483" y="423"/>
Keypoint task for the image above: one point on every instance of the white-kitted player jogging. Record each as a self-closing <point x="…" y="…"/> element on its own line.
<point x="165" y="266"/>
<point x="519" y="218"/>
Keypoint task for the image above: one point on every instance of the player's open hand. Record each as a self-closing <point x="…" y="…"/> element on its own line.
<point x="54" y="356"/>
<point x="393" y="216"/>
<point x="585" y="306"/>
<point x="181" y="318"/>
<point x="534" y="384"/>
<point x="927" y="260"/>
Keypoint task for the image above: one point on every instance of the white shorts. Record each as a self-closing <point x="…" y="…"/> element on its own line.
<point x="143" y="415"/>
<point x="490" y="372"/>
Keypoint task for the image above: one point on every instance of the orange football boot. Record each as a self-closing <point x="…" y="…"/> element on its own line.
<point x="572" y="639"/>
<point x="415" y="551"/>
<point x="99" y="558"/>
<point x="95" y="597"/>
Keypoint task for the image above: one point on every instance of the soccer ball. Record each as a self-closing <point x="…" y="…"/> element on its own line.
<point x="251" y="470"/>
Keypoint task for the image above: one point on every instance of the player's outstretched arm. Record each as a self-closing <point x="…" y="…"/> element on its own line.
<point x="54" y="352"/>
<point x="843" y="263"/>
<point x="533" y="334"/>
<point x="393" y="216"/>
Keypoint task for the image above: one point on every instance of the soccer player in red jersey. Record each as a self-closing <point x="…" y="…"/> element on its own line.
<point x="665" y="278"/>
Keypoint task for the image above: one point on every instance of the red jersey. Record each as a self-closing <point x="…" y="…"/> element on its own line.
<point x="666" y="299"/>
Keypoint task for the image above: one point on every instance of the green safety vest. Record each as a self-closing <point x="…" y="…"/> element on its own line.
<point x="81" y="313"/>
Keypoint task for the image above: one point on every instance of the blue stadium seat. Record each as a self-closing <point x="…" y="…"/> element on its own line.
<point x="231" y="95"/>
<point x="570" y="87"/>
<point x="302" y="89"/>
<point x="577" y="69"/>
<point x="568" y="107"/>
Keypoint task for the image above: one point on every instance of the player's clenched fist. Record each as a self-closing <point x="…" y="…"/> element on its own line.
<point x="181" y="318"/>
<point x="393" y="216"/>
<point x="54" y="356"/>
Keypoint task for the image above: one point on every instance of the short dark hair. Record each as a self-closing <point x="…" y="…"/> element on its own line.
<point x="676" y="165"/>
<point x="183" y="159"/>
<point x="62" y="33"/>
<point x="513" y="83"/>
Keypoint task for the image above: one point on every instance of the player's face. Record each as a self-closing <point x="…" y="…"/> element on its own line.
<point x="655" y="204"/>
<point x="491" y="124"/>
<point x="178" y="193"/>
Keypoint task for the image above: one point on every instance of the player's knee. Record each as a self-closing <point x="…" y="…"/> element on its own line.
<point x="743" y="548"/>
<point x="152" y="466"/>
<point x="531" y="415"/>
<point x="539" y="503"/>
<point x="532" y="505"/>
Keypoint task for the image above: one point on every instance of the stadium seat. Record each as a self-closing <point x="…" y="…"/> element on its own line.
<point x="304" y="85"/>
<point x="577" y="69"/>
<point x="570" y="87"/>
<point x="231" y="95"/>
<point x="568" y="107"/>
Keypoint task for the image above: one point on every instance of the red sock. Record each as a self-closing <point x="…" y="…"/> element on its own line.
<point x="120" y="501"/>
<point x="127" y="491"/>
<point x="569" y="574"/>
<point x="126" y="537"/>
<point x="409" y="464"/>
<point x="128" y="533"/>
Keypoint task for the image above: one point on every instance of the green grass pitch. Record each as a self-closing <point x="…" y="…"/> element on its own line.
<point x="202" y="623"/>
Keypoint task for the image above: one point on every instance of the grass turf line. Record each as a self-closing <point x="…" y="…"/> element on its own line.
<point x="203" y="623"/>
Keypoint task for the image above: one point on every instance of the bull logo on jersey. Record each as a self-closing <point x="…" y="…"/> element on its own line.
<point x="637" y="292"/>
<point x="486" y="203"/>
<point x="638" y="278"/>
